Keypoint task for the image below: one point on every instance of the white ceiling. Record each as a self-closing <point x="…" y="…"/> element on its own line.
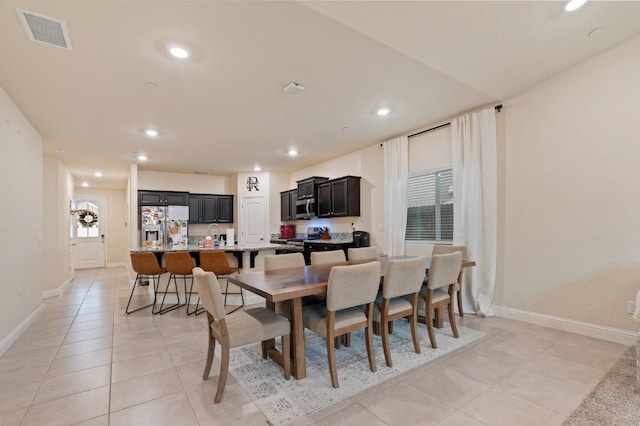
<point x="223" y="110"/>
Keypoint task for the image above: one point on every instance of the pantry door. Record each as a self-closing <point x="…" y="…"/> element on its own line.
<point x="89" y="228"/>
<point x="254" y="220"/>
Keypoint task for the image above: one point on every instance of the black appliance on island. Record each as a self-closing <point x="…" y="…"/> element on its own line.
<point x="361" y="239"/>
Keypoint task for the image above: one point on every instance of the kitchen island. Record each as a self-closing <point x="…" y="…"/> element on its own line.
<point x="241" y="252"/>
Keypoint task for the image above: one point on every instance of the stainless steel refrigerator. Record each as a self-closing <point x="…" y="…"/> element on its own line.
<point x="164" y="226"/>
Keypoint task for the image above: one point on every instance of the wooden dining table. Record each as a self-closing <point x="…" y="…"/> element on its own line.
<point x="292" y="284"/>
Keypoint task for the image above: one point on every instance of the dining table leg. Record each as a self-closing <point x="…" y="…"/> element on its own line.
<point x="298" y="362"/>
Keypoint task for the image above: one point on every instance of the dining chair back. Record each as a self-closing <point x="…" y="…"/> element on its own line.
<point x="399" y="299"/>
<point x="446" y="249"/>
<point x="237" y="329"/>
<point x="275" y="262"/>
<point x="362" y="253"/>
<point x="438" y="292"/>
<point x="145" y="264"/>
<point x="349" y="288"/>
<point x="218" y="263"/>
<point x="283" y="261"/>
<point x="326" y="257"/>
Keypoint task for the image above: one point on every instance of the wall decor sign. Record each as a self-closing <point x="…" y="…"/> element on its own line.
<point x="252" y="183"/>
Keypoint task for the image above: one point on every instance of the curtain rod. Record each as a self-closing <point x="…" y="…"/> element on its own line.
<point x="497" y="108"/>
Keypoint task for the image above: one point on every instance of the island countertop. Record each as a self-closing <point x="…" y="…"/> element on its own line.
<point x="239" y="251"/>
<point x="195" y="248"/>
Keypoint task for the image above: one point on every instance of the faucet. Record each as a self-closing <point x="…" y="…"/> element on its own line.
<point x="209" y="229"/>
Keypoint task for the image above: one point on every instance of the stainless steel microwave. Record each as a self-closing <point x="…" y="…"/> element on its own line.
<point x="306" y="209"/>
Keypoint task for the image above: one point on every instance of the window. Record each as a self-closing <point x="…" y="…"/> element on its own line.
<point x="430" y="209"/>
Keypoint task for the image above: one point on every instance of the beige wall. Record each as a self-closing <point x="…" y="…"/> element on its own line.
<point x="22" y="216"/>
<point x="117" y="248"/>
<point x="572" y="193"/>
<point x="57" y="194"/>
<point x="204" y="184"/>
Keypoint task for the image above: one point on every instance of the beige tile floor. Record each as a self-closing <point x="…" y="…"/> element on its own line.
<point x="85" y="362"/>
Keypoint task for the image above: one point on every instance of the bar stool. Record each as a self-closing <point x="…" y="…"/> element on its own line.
<point x="178" y="263"/>
<point x="217" y="262"/>
<point x="145" y="265"/>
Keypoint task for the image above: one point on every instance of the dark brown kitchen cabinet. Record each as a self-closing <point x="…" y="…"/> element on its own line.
<point x="210" y="208"/>
<point x="339" y="197"/>
<point x="163" y="198"/>
<point x="306" y="187"/>
<point x="288" y="204"/>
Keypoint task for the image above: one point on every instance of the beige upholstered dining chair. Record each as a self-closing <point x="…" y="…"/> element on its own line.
<point x="217" y="262"/>
<point x="438" y="292"/>
<point x="349" y="288"/>
<point x="240" y="328"/>
<point x="145" y="264"/>
<point x="445" y="249"/>
<point x="282" y="261"/>
<point x="362" y="253"/>
<point x="325" y="257"/>
<point x="399" y="299"/>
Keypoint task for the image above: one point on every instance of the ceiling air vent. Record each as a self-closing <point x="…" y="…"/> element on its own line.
<point x="46" y="30"/>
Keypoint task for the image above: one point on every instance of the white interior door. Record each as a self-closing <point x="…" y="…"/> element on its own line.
<point x="254" y="220"/>
<point x="89" y="230"/>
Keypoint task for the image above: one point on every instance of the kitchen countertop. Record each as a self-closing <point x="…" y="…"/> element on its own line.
<point x="317" y="241"/>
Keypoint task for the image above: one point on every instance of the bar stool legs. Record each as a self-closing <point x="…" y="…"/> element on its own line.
<point x="155" y="293"/>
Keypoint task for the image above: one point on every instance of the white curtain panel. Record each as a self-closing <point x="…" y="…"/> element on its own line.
<point x="396" y="174"/>
<point x="474" y="161"/>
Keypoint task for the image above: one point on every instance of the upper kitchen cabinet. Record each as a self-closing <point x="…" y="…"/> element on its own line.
<point x="339" y="197"/>
<point x="163" y="198"/>
<point x="288" y="204"/>
<point x="307" y="187"/>
<point x="209" y="208"/>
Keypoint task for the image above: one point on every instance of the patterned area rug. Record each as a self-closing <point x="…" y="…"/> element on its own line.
<point x="615" y="400"/>
<point x="282" y="401"/>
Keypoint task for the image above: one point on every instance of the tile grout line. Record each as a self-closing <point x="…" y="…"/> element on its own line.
<point x="54" y="357"/>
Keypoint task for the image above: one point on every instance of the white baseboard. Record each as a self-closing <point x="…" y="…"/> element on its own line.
<point x="116" y="264"/>
<point x="14" y="334"/>
<point x="56" y="292"/>
<point x="615" y="335"/>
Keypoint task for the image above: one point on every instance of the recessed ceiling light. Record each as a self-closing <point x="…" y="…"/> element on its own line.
<point x="151" y="85"/>
<point x="574" y="4"/>
<point x="98" y="174"/>
<point x="292" y="152"/>
<point x="179" y="52"/>
<point x="85" y="184"/>
<point x="383" y="111"/>
<point x="151" y="133"/>
<point x="257" y="168"/>
<point x="142" y="157"/>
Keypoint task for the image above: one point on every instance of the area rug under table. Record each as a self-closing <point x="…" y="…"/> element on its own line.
<point x="282" y="401"/>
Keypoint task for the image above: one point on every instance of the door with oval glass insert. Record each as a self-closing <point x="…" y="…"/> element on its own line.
<point x="89" y="228"/>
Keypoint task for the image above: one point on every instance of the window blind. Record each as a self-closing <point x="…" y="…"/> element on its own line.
<point x="430" y="207"/>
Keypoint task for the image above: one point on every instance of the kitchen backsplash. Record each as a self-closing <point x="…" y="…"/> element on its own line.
<point x="347" y="236"/>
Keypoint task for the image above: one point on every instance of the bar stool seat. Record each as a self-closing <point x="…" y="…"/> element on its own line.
<point x="217" y="262"/>
<point x="178" y="263"/>
<point x="145" y="264"/>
